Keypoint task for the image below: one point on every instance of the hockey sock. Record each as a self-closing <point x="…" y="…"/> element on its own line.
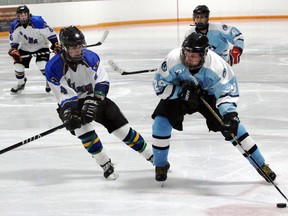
<point x="135" y="141"/>
<point x="91" y="142"/>
<point x="160" y="156"/>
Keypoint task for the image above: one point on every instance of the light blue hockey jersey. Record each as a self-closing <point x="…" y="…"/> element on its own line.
<point x="216" y="77"/>
<point x="220" y="37"/>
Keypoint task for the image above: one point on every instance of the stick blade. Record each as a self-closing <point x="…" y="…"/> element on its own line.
<point x="104" y="36"/>
<point x="115" y="67"/>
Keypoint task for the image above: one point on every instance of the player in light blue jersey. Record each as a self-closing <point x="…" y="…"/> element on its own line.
<point x="81" y="85"/>
<point x="227" y="41"/>
<point x="186" y="74"/>
<point x="30" y="36"/>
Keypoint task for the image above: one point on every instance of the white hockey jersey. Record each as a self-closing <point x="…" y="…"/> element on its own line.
<point x="34" y="37"/>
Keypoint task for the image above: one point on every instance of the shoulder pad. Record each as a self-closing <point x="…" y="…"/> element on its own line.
<point x="38" y="22"/>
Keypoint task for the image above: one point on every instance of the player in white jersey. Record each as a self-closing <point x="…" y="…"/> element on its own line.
<point x="30" y="36"/>
<point x="81" y="85"/>
<point x="227" y="41"/>
<point x="186" y="74"/>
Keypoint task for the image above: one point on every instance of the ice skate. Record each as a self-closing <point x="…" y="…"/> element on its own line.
<point x="108" y="169"/>
<point x="18" y="88"/>
<point x="151" y="159"/>
<point x="268" y="172"/>
<point x="161" y="172"/>
<point x="47" y="88"/>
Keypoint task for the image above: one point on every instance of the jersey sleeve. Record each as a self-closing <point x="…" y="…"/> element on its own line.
<point x="220" y="81"/>
<point x="13" y="35"/>
<point x="165" y="81"/>
<point x="233" y="35"/>
<point x="100" y="75"/>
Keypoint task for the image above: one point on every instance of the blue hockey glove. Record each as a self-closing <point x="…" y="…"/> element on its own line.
<point x="231" y="123"/>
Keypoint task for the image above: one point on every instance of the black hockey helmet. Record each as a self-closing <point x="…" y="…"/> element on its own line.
<point x="201" y="9"/>
<point x="194" y="43"/>
<point x="23" y="9"/>
<point x="72" y="37"/>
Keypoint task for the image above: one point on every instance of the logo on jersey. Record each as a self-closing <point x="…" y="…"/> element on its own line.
<point x="225" y="27"/>
<point x="29" y="40"/>
<point x="164" y="66"/>
<point x="224" y="73"/>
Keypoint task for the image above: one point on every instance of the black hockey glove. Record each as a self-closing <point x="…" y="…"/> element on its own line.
<point x="231" y="123"/>
<point x="190" y="95"/>
<point x="70" y="118"/>
<point x="90" y="108"/>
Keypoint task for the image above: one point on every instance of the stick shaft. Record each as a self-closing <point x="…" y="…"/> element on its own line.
<point x="31" y="139"/>
<point x="246" y="152"/>
<point x="90" y="45"/>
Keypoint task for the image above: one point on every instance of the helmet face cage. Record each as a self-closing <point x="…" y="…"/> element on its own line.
<point x="194" y="43"/>
<point x="23" y="9"/>
<point x="201" y="10"/>
<point x="72" y="37"/>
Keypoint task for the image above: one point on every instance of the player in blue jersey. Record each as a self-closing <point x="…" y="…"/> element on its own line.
<point x="81" y="85"/>
<point x="30" y="36"/>
<point x="186" y="74"/>
<point x="227" y="41"/>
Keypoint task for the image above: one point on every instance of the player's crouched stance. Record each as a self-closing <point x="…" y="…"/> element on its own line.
<point x="80" y="85"/>
<point x="185" y="75"/>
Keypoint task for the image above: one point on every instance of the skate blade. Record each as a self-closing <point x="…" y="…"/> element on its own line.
<point x="112" y="177"/>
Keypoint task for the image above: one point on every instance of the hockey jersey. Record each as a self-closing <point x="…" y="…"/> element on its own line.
<point x="220" y="37"/>
<point x="36" y="35"/>
<point x="216" y="77"/>
<point x="72" y="83"/>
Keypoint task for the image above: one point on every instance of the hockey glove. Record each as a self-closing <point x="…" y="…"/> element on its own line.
<point x="90" y="108"/>
<point x="70" y="118"/>
<point x="234" y="55"/>
<point x="15" y="55"/>
<point x="231" y="123"/>
<point x="190" y="96"/>
<point x="56" y="47"/>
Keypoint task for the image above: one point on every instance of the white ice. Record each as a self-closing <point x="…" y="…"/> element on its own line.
<point x="55" y="176"/>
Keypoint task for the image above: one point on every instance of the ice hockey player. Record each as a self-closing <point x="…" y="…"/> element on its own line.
<point x="186" y="74"/>
<point x="30" y="36"/>
<point x="81" y="85"/>
<point x="226" y="40"/>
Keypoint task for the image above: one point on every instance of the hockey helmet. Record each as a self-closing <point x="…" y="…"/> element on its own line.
<point x="201" y="10"/>
<point x="194" y="43"/>
<point x="23" y="9"/>
<point x="72" y="37"/>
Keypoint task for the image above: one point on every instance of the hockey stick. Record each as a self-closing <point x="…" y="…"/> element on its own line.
<point x="238" y="143"/>
<point x="100" y="42"/>
<point x="31" y="139"/>
<point x="116" y="68"/>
